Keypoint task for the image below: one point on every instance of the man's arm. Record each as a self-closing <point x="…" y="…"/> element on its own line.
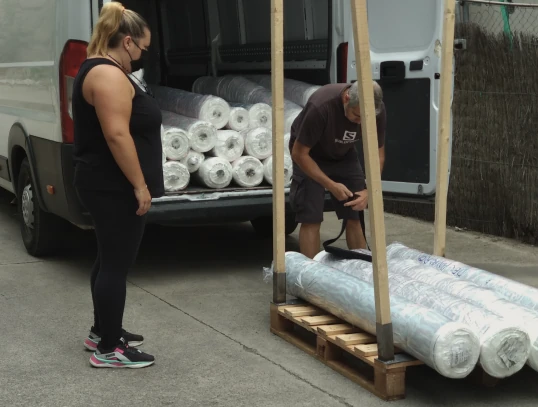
<point x="301" y="155"/>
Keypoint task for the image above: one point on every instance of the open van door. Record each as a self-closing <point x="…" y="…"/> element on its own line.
<point x="405" y="42"/>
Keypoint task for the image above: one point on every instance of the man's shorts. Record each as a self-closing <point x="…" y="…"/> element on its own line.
<point x="307" y="197"/>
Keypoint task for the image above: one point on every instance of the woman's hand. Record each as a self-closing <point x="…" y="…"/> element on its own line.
<point x="144" y="200"/>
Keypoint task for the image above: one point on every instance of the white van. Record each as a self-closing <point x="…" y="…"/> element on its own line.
<point x="44" y="42"/>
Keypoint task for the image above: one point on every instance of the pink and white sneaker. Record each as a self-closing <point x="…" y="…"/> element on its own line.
<point x="122" y="356"/>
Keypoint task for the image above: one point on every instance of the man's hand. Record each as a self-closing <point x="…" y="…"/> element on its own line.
<point x="341" y="192"/>
<point x="361" y="202"/>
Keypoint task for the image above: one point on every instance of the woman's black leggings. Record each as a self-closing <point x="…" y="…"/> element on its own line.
<point x="119" y="231"/>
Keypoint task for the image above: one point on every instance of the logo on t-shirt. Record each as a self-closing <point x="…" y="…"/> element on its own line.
<point x="349" y="137"/>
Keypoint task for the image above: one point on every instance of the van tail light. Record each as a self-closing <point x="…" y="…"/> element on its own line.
<point x="73" y="55"/>
<point x="341" y="72"/>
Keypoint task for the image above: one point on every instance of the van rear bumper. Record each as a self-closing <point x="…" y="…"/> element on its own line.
<point x="217" y="207"/>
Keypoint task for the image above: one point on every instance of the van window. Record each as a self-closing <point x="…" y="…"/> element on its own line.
<point x="403" y="28"/>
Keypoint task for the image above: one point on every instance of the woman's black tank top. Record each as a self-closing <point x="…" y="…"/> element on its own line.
<point x="95" y="166"/>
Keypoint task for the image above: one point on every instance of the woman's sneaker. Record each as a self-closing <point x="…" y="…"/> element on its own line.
<point x="122" y="356"/>
<point x="94" y="338"/>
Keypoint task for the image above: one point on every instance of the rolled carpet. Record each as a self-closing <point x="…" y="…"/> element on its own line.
<point x="475" y="294"/>
<point x="176" y="176"/>
<point x="175" y="143"/>
<point x="451" y="348"/>
<point x="239" y="119"/>
<point x="229" y="145"/>
<point x="258" y="142"/>
<point x="504" y="346"/>
<point x="268" y="170"/>
<point x="210" y="108"/>
<point x="202" y="134"/>
<point x="247" y="171"/>
<point x="513" y="291"/>
<point x="214" y="173"/>
<point x="193" y="160"/>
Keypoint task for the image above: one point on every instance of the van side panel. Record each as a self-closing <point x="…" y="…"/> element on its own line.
<point x="30" y="125"/>
<point x="27" y="69"/>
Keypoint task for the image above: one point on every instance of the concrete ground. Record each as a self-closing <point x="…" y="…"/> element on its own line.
<point x="207" y="321"/>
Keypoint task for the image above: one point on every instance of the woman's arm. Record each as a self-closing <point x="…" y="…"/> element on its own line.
<point x="111" y="93"/>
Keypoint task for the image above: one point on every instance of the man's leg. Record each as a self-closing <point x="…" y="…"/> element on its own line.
<point x="307" y="199"/>
<point x="309" y="239"/>
<point x="354" y="235"/>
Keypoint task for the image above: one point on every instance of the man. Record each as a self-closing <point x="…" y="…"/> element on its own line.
<point x="324" y="158"/>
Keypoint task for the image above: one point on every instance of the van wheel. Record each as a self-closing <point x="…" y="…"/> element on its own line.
<point x="39" y="229"/>
<point x="264" y="225"/>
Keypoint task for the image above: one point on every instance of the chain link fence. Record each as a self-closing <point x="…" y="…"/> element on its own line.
<point x="494" y="169"/>
<point x="497" y="17"/>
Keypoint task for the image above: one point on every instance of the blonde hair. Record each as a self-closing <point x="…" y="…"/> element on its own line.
<point x="115" y="22"/>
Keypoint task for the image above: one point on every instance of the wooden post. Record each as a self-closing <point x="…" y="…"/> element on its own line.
<point x="443" y="141"/>
<point x="373" y="173"/>
<point x="277" y="84"/>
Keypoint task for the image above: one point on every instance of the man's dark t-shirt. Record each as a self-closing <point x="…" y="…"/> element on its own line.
<point x="323" y="126"/>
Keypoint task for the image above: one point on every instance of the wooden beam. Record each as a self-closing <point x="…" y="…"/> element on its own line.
<point x="277" y="85"/>
<point x="443" y="141"/>
<point x="373" y="174"/>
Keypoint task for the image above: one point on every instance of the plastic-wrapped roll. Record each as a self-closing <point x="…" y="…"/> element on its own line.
<point x="297" y="91"/>
<point x="504" y="346"/>
<point x="230" y="87"/>
<point x="247" y="172"/>
<point x="260" y="114"/>
<point x="176" y="176"/>
<point x="202" y="134"/>
<point x="239" y="118"/>
<point x="451" y="348"/>
<point x="268" y="170"/>
<point x="230" y="145"/>
<point x="239" y="89"/>
<point x="258" y="142"/>
<point x="214" y="173"/>
<point x="518" y="293"/>
<point x="474" y="294"/>
<point x="212" y="109"/>
<point x="291" y="109"/>
<point x="193" y="160"/>
<point x="206" y="85"/>
<point x="175" y="142"/>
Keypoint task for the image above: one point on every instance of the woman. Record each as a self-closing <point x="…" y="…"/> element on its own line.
<point x="118" y="156"/>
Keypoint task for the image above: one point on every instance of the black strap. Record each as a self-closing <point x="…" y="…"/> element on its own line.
<point x="344" y="253"/>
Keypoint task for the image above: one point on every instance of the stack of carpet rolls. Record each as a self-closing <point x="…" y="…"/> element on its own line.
<point x="220" y="134"/>
<point x="447" y="314"/>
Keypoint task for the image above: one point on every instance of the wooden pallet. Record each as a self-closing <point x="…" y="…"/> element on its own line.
<point x="347" y="349"/>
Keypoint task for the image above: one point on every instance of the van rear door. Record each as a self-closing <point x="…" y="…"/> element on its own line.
<point x="405" y="41"/>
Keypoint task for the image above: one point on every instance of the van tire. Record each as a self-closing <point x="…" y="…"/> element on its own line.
<point x="39" y="230"/>
<point x="264" y="225"/>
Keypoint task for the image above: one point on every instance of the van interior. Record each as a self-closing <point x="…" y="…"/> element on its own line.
<point x="193" y="38"/>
